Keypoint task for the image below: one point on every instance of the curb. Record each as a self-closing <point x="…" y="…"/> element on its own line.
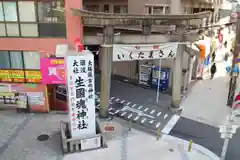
<point x="200" y="149"/>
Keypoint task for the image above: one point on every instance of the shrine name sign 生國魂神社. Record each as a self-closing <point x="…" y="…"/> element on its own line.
<point x="20" y="76"/>
<point x="81" y="94"/>
<point x="122" y="52"/>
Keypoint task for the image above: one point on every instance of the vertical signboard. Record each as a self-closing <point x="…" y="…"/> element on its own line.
<point x="81" y="100"/>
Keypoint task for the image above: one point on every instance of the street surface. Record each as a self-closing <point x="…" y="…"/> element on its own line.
<point x="138" y="105"/>
<point x="19" y="141"/>
<point x="204" y="110"/>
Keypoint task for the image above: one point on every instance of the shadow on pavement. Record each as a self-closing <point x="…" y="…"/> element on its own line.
<point x="200" y="133"/>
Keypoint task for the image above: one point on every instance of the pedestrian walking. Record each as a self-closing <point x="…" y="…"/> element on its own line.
<point x="231" y="52"/>
<point x="213" y="70"/>
<point x="213" y="56"/>
<point x="226" y="57"/>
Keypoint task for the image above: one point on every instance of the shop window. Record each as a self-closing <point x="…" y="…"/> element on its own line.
<point x="117" y="9"/>
<point x="149" y="10"/>
<point x="1" y="12"/>
<point x="19" y="60"/>
<point x="196" y="10"/>
<point x="32" y="19"/>
<point x="50" y="11"/>
<point x="106" y="8"/>
<point x="94" y="8"/>
<point x="16" y="60"/>
<point x="10" y="11"/>
<point x="120" y="9"/>
<point x="12" y="30"/>
<point x="158" y="10"/>
<point x="4" y="60"/>
<point x="167" y="10"/>
<point x="29" y="30"/>
<point x="26" y="11"/>
<point x="50" y="29"/>
<point x="2" y="30"/>
<point x="31" y="60"/>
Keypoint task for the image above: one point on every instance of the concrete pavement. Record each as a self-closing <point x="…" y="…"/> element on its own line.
<point x="207" y="101"/>
<point x="139" y="105"/>
<point x="205" y="109"/>
<point x="19" y="141"/>
<point x="142" y="146"/>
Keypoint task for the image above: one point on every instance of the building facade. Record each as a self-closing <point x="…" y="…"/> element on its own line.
<point x="31" y="29"/>
<point x="148" y="7"/>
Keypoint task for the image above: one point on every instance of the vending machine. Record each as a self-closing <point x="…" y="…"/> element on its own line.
<point x="145" y="74"/>
<point x="164" y="78"/>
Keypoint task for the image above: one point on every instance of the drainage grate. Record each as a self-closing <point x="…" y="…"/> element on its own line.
<point x="43" y="137"/>
<point x="171" y="150"/>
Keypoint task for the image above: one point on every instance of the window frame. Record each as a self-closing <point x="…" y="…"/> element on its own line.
<point x="149" y="8"/>
<point x="89" y="7"/>
<point x="10" y="62"/>
<point x="38" y="23"/>
<point x="23" y="63"/>
<point x="121" y="8"/>
<point x="22" y="57"/>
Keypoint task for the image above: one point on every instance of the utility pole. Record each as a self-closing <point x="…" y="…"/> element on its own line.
<point x="233" y="78"/>
<point x="227" y="131"/>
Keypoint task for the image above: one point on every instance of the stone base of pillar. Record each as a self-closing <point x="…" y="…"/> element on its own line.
<point x="175" y="106"/>
<point x="176" y="109"/>
<point x="106" y="118"/>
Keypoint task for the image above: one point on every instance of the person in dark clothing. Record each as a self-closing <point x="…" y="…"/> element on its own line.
<point x="213" y="56"/>
<point x="226" y="57"/>
<point x="213" y="70"/>
<point x="225" y="44"/>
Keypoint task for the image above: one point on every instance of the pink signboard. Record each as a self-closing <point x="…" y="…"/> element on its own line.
<point x="53" y="71"/>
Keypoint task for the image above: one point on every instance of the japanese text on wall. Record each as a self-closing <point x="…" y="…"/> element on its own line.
<point x="81" y="94"/>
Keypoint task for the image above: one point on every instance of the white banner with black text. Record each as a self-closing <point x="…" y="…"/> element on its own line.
<point x="81" y="97"/>
<point x="122" y="52"/>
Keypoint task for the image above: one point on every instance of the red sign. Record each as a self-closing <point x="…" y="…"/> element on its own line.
<point x="79" y="45"/>
<point x="109" y="128"/>
<point x="236" y="103"/>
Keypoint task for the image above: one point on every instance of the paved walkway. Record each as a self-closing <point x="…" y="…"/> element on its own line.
<point x="142" y="146"/>
<point x="19" y="134"/>
<point x="207" y="101"/>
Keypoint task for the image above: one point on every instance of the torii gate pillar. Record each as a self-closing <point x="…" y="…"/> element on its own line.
<point x="176" y="8"/>
<point x="106" y="69"/>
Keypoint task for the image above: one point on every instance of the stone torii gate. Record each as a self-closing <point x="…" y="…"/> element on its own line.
<point x="147" y="22"/>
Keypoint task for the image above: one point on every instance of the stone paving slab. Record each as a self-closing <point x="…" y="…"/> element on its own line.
<point x="25" y="146"/>
<point x="10" y="122"/>
<point x="141" y="146"/>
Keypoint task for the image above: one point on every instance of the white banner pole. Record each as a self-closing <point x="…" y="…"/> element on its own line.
<point x="159" y="77"/>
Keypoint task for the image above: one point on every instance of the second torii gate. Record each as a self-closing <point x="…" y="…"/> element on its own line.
<point x="109" y="20"/>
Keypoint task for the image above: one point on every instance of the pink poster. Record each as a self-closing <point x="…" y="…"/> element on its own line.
<point x="53" y="71"/>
